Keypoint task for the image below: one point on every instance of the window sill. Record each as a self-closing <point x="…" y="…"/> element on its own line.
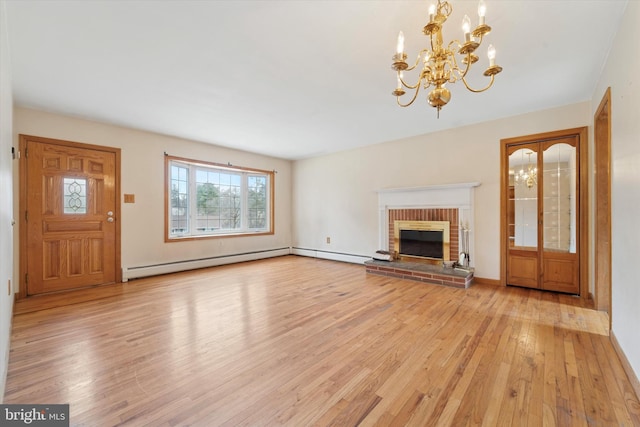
<point x="217" y="236"/>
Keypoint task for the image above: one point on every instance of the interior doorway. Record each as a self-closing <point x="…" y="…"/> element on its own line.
<point x="70" y="211"/>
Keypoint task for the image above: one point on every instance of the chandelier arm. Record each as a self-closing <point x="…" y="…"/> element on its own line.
<point x="455" y="43"/>
<point x="425" y="77"/>
<point x="453" y="64"/>
<point x="413" y="67"/>
<point x="466" y="70"/>
<point x="478" y="90"/>
<point x="415" y="95"/>
<point x="408" y="86"/>
<point x="463" y="74"/>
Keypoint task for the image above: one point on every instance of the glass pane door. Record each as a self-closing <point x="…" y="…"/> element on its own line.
<point x="523" y="199"/>
<point x="559" y="198"/>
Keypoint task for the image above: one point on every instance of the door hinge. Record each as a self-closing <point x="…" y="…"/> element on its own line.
<point x="26" y="278"/>
<point x="26" y="153"/>
<point x="26" y="216"/>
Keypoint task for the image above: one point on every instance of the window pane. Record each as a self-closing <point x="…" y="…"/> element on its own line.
<point x="179" y="200"/>
<point x="201" y="175"/>
<point x="523" y="178"/>
<point x="207" y="202"/>
<point x="183" y="172"/>
<point x="231" y="206"/>
<point x="257" y="197"/>
<point x="75" y="195"/>
<point x="559" y="198"/>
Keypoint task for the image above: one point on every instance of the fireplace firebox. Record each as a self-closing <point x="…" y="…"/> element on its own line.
<point x="422" y="240"/>
<point x="422" y="243"/>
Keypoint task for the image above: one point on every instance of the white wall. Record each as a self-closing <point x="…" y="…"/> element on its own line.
<point x="143" y="175"/>
<point x="335" y="195"/>
<point x="6" y="210"/>
<point x="622" y="74"/>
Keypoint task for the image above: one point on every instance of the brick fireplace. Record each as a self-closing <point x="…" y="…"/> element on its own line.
<point x="447" y="202"/>
<point x="452" y="203"/>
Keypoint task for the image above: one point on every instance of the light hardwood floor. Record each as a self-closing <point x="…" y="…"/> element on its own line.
<point x="300" y="341"/>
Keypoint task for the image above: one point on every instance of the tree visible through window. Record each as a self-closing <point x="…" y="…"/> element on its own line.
<point x="208" y="199"/>
<point x="257" y="188"/>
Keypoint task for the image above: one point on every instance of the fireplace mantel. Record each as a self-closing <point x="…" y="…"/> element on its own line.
<point x="456" y="196"/>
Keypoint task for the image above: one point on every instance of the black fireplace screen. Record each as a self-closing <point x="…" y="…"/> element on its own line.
<point x="422" y="243"/>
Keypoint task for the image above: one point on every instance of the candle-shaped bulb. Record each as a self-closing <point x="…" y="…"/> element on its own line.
<point x="400" y="45"/>
<point x="432" y="11"/>
<point x="466" y="27"/>
<point x="482" y="11"/>
<point x="491" y="53"/>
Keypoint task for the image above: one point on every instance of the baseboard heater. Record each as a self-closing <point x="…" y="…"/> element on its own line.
<point x="334" y="256"/>
<point x="176" y="266"/>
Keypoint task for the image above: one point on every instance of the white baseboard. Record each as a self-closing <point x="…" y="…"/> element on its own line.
<point x="6" y="347"/>
<point x="333" y="256"/>
<point x="174" y="267"/>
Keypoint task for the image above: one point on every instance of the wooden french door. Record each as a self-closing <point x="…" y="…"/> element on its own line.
<point x="543" y="185"/>
<point x="69" y="199"/>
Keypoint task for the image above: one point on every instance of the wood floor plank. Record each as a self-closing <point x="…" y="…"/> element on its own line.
<point x="532" y="408"/>
<point x="299" y="342"/>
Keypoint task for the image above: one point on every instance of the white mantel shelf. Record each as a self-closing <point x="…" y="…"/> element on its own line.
<point x="459" y="196"/>
<point x="429" y="187"/>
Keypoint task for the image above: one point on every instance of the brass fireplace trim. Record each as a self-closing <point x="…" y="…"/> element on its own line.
<point x="423" y="226"/>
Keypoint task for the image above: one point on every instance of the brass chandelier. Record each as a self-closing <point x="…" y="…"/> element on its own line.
<point x="439" y="63"/>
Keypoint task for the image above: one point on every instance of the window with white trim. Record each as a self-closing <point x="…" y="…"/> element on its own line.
<point x="208" y="200"/>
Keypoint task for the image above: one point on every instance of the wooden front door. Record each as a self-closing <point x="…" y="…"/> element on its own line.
<point x="70" y="196"/>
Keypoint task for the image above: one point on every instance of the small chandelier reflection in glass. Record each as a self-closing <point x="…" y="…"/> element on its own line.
<point x="440" y="63"/>
<point x="528" y="177"/>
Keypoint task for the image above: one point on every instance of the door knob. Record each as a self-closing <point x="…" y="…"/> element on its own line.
<point x="110" y="219"/>
<point x="110" y="213"/>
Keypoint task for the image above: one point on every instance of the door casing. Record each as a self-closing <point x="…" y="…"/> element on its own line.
<point x="602" y="190"/>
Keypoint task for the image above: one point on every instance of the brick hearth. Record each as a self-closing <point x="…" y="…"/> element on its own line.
<point x="421" y="272"/>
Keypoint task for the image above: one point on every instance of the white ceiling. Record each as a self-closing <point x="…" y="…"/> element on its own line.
<point x="291" y="79"/>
